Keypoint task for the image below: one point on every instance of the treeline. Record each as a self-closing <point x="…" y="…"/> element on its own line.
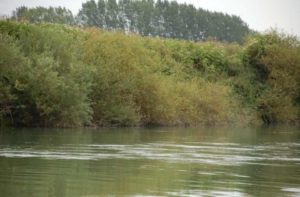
<point x="40" y="14"/>
<point x="61" y="76"/>
<point x="161" y="18"/>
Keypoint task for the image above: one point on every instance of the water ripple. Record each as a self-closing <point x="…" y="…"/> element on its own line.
<point x="210" y="153"/>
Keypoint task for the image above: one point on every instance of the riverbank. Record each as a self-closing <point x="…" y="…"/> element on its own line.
<point x="62" y="76"/>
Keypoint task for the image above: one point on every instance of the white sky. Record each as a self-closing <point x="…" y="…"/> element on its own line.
<point x="258" y="14"/>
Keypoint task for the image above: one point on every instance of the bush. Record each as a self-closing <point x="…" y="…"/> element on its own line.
<point x="275" y="60"/>
<point x="48" y="85"/>
<point x="55" y="75"/>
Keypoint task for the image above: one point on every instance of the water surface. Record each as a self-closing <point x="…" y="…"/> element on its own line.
<point x="150" y="162"/>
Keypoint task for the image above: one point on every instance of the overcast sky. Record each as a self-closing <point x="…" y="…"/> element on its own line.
<point x="258" y="14"/>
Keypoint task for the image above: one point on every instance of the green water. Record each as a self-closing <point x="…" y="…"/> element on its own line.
<point x="150" y="162"/>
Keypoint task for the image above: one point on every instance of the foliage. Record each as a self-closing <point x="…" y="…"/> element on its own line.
<point x="165" y="18"/>
<point x="161" y="18"/>
<point x="275" y="61"/>
<point x="40" y="14"/>
<point x="44" y="84"/>
<point x="55" y="75"/>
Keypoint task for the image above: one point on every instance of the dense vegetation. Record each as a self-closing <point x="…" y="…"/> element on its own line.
<point x="62" y="76"/>
<point x="161" y="18"/>
<point x="40" y="14"/>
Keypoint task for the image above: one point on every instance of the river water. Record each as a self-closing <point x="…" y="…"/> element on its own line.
<point x="150" y="162"/>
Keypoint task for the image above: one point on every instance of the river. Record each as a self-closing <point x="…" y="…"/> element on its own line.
<point x="150" y="162"/>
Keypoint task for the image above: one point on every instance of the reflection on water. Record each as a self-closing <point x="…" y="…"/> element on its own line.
<point x="150" y="162"/>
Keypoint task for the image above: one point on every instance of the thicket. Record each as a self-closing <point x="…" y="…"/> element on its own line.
<point x="274" y="60"/>
<point x="61" y="76"/>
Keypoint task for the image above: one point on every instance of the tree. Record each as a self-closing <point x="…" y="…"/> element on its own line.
<point x="147" y="17"/>
<point x="40" y="14"/>
<point x="111" y="17"/>
<point x="89" y="14"/>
